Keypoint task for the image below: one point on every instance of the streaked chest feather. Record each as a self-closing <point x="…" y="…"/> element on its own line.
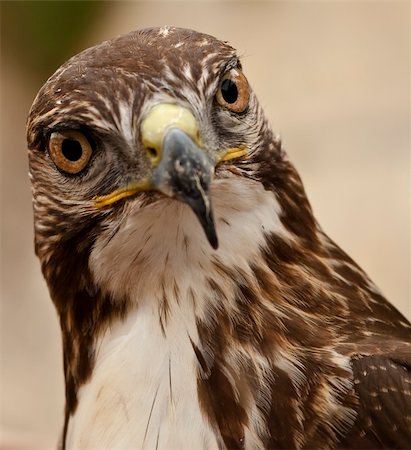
<point x="143" y="391"/>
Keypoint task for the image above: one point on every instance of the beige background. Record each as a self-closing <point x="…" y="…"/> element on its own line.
<point x="334" y="79"/>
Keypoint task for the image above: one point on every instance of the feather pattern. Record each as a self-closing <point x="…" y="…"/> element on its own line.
<point x="275" y="340"/>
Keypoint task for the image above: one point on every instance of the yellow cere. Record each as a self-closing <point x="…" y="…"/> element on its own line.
<point x="163" y="116"/>
<point x="105" y="200"/>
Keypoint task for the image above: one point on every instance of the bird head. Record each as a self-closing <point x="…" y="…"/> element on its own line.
<point x="156" y="114"/>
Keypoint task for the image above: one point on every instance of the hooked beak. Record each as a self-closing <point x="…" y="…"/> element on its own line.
<point x="181" y="168"/>
<point x="185" y="173"/>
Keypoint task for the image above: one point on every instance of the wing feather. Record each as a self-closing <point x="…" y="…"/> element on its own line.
<point x="383" y="386"/>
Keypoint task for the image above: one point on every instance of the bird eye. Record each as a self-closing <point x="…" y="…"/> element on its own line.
<point x="233" y="92"/>
<point x="70" y="150"/>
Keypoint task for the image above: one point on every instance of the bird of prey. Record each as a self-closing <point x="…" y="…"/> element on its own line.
<point x="201" y="304"/>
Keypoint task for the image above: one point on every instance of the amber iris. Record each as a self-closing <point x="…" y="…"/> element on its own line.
<point x="70" y="150"/>
<point x="233" y="92"/>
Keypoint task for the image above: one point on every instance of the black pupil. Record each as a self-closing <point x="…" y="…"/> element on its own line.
<point x="71" y="149"/>
<point x="229" y="91"/>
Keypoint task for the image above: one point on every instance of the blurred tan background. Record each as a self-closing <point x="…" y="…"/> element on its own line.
<point x="334" y="79"/>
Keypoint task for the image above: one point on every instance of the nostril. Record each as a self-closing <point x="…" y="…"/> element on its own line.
<point x="152" y="152"/>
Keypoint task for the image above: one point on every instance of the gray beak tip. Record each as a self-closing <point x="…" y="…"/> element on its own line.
<point x="211" y="233"/>
<point x="214" y="243"/>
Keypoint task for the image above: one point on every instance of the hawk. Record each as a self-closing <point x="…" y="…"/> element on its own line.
<point x="201" y="304"/>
